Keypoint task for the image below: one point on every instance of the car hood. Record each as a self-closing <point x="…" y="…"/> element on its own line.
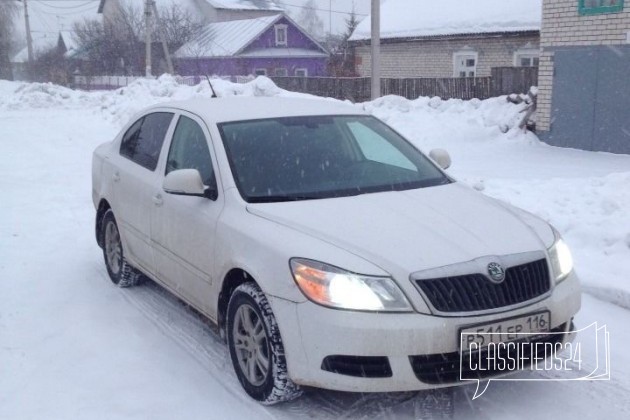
<point x="410" y="230"/>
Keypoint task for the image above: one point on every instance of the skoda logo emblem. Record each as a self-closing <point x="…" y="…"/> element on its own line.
<point x="496" y="272"/>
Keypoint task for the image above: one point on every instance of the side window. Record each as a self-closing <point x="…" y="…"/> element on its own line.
<point x="375" y="148"/>
<point x="143" y="141"/>
<point x="189" y="150"/>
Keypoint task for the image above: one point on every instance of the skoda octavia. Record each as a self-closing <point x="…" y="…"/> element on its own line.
<point x="329" y="251"/>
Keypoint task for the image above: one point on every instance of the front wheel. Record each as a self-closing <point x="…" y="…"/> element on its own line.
<point x="120" y="272"/>
<point x="256" y="347"/>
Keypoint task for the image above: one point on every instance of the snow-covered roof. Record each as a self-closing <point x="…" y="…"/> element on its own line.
<point x="186" y="5"/>
<point x="217" y="4"/>
<point x="45" y="42"/>
<point x="225" y="39"/>
<point x="49" y="18"/>
<point x="283" y="52"/>
<point x="418" y="18"/>
<point x="245" y="4"/>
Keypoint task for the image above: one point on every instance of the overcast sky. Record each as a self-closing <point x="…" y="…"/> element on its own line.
<point x="340" y="11"/>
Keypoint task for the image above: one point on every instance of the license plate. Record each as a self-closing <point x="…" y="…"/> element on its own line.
<point x="505" y="330"/>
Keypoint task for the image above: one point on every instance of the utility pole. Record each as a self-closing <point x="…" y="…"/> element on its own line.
<point x="330" y="20"/>
<point x="167" y="55"/>
<point x="376" y="49"/>
<point x="147" y="36"/>
<point x="29" y="38"/>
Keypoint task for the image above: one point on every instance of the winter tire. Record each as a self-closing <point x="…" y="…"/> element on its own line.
<point x="120" y="272"/>
<point x="256" y="347"/>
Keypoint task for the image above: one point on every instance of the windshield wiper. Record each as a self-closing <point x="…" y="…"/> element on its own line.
<point x="281" y="198"/>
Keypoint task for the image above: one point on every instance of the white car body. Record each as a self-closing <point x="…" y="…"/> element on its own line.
<point x="192" y="245"/>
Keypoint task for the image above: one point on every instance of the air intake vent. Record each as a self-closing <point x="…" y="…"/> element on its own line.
<point x="359" y="366"/>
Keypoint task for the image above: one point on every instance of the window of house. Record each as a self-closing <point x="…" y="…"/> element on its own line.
<point x="281" y="35"/>
<point x="260" y="72"/>
<point x="281" y="72"/>
<point x="465" y="63"/>
<point x="143" y="141"/>
<point x="527" y="56"/>
<point x="301" y="72"/>
<point x="591" y="7"/>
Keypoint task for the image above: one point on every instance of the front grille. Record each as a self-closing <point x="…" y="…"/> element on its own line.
<point x="359" y="366"/>
<point x="445" y="368"/>
<point x="475" y="292"/>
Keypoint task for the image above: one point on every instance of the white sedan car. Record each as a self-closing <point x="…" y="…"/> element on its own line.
<point x="329" y="251"/>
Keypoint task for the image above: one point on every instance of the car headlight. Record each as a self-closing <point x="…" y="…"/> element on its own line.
<point x="561" y="259"/>
<point x="337" y="288"/>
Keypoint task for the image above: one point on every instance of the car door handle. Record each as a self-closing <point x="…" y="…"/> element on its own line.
<point x="157" y="200"/>
<point x="116" y="176"/>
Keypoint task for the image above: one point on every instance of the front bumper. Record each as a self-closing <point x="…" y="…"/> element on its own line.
<point x="311" y="333"/>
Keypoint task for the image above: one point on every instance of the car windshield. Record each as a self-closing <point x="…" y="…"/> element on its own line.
<point x="305" y="158"/>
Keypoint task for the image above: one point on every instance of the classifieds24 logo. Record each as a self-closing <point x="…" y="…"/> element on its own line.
<point x="489" y="354"/>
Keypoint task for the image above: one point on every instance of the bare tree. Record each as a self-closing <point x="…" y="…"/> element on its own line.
<point x="8" y="12"/>
<point x="116" y="46"/>
<point x="179" y="26"/>
<point x="342" y="60"/>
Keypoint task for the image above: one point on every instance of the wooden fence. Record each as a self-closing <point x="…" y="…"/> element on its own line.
<point x="504" y="81"/>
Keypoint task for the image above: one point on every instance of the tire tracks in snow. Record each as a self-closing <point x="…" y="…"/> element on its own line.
<point x="195" y="336"/>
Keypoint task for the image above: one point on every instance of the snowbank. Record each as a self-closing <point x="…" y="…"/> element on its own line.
<point x="120" y="104"/>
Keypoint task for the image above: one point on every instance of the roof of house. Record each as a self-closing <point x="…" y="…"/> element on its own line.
<point x="217" y="4"/>
<point x="426" y="18"/>
<point x="188" y="5"/>
<point x="47" y="42"/>
<point x="227" y="39"/>
<point x="245" y="4"/>
<point x="49" y="18"/>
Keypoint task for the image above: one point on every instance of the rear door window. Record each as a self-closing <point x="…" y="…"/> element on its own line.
<point x="143" y="141"/>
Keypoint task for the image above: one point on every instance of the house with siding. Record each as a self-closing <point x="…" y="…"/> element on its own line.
<point x="584" y="84"/>
<point x="51" y="23"/>
<point x="272" y="45"/>
<point x="451" y="39"/>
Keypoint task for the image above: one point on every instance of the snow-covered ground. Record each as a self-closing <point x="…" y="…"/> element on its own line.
<point x="74" y="346"/>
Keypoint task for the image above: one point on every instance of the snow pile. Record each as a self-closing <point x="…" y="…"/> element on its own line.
<point x="495" y="114"/>
<point x="411" y="18"/>
<point x="120" y="104"/>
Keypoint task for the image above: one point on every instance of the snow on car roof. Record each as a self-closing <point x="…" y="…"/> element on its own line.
<point x="414" y="18"/>
<point x="219" y="110"/>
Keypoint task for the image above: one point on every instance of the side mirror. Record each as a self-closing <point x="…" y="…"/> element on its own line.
<point x="187" y="182"/>
<point x="441" y="157"/>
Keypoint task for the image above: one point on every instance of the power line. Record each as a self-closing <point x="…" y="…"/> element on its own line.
<point x="77" y="6"/>
<point x="322" y="10"/>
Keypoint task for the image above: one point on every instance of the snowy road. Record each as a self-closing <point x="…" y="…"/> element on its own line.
<point x="74" y="346"/>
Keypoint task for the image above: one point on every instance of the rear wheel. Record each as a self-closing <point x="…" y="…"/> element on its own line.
<point x="120" y="272"/>
<point x="256" y="347"/>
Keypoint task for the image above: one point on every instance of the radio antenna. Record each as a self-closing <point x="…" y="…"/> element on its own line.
<point x="214" y="94"/>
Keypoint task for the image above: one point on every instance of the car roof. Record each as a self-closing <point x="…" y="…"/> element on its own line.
<point x="235" y="108"/>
